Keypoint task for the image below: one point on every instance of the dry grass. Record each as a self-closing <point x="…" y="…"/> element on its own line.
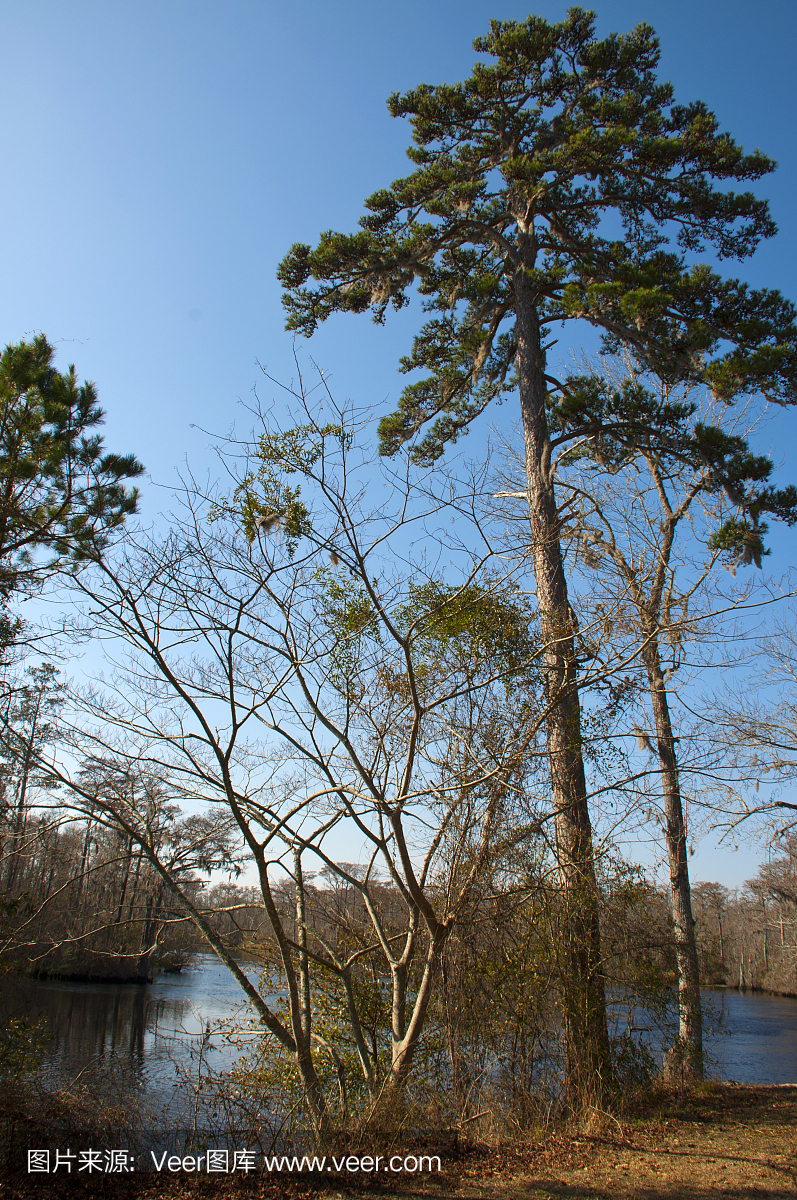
<point x="729" y="1141"/>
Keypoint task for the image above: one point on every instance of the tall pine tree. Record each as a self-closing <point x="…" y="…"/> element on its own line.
<point x="559" y="182"/>
<point x="61" y="492"/>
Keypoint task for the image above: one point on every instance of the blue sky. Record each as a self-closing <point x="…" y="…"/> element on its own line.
<point x="159" y="158"/>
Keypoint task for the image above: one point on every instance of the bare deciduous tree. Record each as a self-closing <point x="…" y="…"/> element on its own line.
<point x="628" y="495"/>
<point x="283" y="655"/>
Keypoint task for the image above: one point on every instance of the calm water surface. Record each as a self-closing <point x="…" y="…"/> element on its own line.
<point x="759" y="1043"/>
<point x="150" y="1038"/>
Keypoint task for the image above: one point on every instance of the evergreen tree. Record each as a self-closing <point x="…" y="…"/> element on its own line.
<point x="559" y="182"/>
<point x="59" y="491"/>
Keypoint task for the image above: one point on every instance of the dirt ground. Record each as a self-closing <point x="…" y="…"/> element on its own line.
<point x="738" y="1142"/>
<point x="730" y="1141"/>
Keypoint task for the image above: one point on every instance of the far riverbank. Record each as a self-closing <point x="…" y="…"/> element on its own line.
<point x="142" y="1036"/>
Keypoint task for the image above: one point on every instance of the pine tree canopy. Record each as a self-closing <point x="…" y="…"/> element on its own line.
<point x="560" y="181"/>
<point x="59" y="489"/>
<point x="611" y="424"/>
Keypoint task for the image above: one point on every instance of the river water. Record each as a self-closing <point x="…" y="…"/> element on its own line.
<point x="149" y="1043"/>
<point x="756" y="1040"/>
<point x="151" y="1039"/>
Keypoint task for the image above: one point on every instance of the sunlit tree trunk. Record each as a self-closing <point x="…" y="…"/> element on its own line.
<point x="690" y="1011"/>
<point x="588" y="1056"/>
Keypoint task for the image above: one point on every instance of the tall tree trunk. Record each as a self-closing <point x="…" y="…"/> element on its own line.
<point x="313" y="1090"/>
<point x="20" y="814"/>
<point x="452" y="1039"/>
<point x="128" y="848"/>
<point x="690" y="1010"/>
<point x="134" y="894"/>
<point x="80" y="898"/>
<point x="588" y="1055"/>
<point x="150" y="933"/>
<point x="300" y="937"/>
<point x="766" y="948"/>
<point x="407" y="1034"/>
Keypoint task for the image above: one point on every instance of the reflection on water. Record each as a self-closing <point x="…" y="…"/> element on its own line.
<point x="147" y="1038"/>
<point x="96" y="1024"/>
<point x="141" y="1038"/>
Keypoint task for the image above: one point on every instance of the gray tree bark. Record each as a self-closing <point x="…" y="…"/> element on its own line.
<point x="690" y="1010"/>
<point x="588" y="1056"/>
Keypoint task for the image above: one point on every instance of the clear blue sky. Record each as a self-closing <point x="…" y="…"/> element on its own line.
<point x="160" y="156"/>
